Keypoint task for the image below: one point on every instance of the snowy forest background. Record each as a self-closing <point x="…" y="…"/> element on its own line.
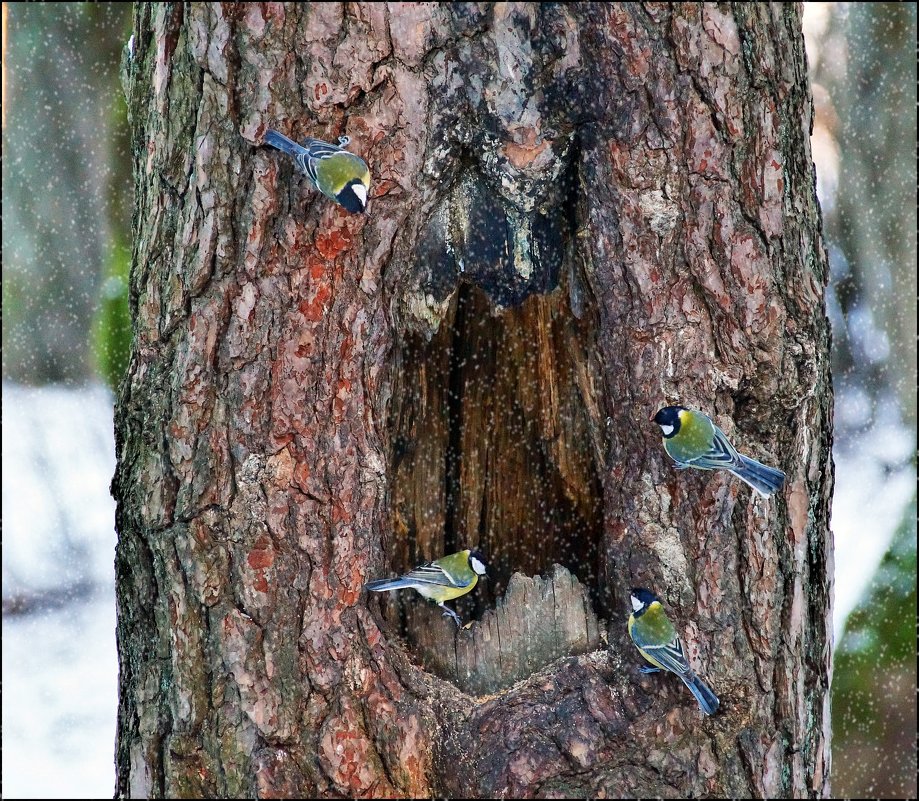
<point x="66" y="234"/>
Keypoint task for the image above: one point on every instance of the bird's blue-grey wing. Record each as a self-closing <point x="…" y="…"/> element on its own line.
<point x="319" y="149"/>
<point x="721" y="456"/>
<point x="431" y="573"/>
<point x="670" y="656"/>
<point x="316" y="150"/>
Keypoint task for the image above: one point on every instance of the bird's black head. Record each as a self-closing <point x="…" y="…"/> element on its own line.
<point x="477" y="562"/>
<point x="641" y="599"/>
<point x="668" y="419"/>
<point x="353" y="197"/>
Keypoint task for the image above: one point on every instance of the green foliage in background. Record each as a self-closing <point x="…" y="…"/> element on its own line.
<point x="111" y="329"/>
<point x="875" y="669"/>
<point x="66" y="181"/>
<point x="884" y="622"/>
<point x="110" y="334"/>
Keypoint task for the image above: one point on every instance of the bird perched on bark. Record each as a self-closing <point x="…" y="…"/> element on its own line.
<point x="657" y="641"/>
<point x="693" y="440"/>
<point x="441" y="580"/>
<point x="338" y="174"/>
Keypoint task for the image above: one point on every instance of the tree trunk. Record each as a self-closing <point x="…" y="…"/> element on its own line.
<point x="579" y="213"/>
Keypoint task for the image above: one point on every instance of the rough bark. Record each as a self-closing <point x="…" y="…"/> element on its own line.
<point x="579" y="212"/>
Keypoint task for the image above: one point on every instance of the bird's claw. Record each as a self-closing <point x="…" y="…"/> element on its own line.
<point x="344" y="141"/>
<point x="456" y="617"/>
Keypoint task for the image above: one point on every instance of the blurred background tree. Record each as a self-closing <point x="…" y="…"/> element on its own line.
<point x="66" y="190"/>
<point x="66" y="213"/>
<point x="863" y="75"/>
<point x="872" y="224"/>
<point x="67" y="208"/>
<point x="863" y="66"/>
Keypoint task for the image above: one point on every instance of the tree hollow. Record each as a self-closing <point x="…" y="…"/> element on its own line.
<point x="495" y="444"/>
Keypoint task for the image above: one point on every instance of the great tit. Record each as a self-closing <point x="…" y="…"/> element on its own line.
<point x="334" y="171"/>
<point x="693" y="440"/>
<point x="657" y="641"/>
<point x="441" y="580"/>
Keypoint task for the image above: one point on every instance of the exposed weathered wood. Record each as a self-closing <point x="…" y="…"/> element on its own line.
<point x="537" y="621"/>
<point x="631" y="184"/>
<point x="498" y="436"/>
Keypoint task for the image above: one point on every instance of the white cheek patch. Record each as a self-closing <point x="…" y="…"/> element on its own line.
<point x="477" y="566"/>
<point x="666" y="430"/>
<point x="361" y="191"/>
<point x="636" y="604"/>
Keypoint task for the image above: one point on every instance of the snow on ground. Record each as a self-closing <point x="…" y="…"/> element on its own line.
<point x="58" y="515"/>
<point x="60" y="669"/>
<point x="60" y="698"/>
<point x="59" y="661"/>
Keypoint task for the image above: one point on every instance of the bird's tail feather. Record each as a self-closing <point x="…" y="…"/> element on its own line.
<point x="281" y="142"/>
<point x="708" y="701"/>
<point x="761" y="477"/>
<point x="381" y="585"/>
